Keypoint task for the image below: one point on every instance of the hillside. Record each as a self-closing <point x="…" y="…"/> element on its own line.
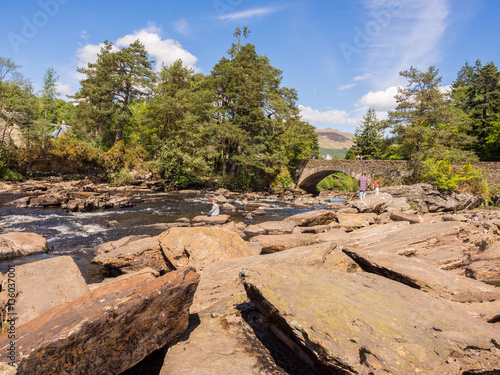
<point x="333" y="138"/>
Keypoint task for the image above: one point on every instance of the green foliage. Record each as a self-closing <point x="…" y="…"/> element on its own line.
<point x="424" y="123"/>
<point x="7" y="174"/>
<point x="477" y="94"/>
<point x="368" y="138"/>
<point x="122" y="177"/>
<point x="282" y="182"/>
<point x="447" y="177"/>
<point x="339" y="181"/>
<point x="335" y="153"/>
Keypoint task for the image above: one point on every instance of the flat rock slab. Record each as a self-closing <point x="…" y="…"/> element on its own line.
<point x="18" y="244"/>
<point x="352" y="221"/>
<point x="316" y="217"/>
<point x="109" y="329"/>
<point x="420" y="275"/>
<point x="279" y="242"/>
<point x="133" y="256"/>
<point x="109" y="246"/>
<point x="353" y="323"/>
<point x="219" y="219"/>
<point x="46" y="284"/>
<point x="271" y="227"/>
<point x="226" y="334"/>
<point x="201" y="246"/>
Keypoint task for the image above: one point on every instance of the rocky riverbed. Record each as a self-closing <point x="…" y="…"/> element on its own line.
<point x="389" y="284"/>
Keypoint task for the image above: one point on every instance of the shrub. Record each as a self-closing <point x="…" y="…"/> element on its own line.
<point x="282" y="182"/>
<point x="339" y="181"/>
<point x="447" y="177"/>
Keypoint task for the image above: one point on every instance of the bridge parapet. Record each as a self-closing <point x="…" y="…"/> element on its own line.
<point x="311" y="172"/>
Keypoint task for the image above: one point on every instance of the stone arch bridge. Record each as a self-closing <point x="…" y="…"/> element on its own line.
<point x="310" y="172"/>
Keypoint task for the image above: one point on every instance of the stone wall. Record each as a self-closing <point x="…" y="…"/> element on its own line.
<point x="311" y="172"/>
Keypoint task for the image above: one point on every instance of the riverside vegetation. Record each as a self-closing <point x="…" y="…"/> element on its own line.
<point x="236" y="128"/>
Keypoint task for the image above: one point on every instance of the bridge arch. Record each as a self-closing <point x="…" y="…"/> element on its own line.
<point x="311" y="172"/>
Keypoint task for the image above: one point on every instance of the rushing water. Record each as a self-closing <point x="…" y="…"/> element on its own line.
<point x="76" y="234"/>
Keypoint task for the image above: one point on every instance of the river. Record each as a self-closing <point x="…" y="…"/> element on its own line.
<point x="77" y="233"/>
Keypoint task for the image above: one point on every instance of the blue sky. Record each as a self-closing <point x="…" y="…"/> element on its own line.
<point x="342" y="56"/>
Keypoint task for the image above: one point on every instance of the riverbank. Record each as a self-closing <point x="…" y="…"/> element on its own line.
<point x="372" y="276"/>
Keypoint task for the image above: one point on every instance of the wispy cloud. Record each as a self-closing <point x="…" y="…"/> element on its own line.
<point x="249" y="13"/>
<point x="363" y="77"/>
<point x="410" y="34"/>
<point x="333" y="117"/>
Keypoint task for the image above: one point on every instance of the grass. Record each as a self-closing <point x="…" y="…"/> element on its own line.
<point x="335" y="153"/>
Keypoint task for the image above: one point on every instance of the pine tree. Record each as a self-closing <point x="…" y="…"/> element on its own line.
<point x="368" y="137"/>
<point x="424" y="123"/>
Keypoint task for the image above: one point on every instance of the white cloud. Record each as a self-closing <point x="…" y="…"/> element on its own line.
<point x="347" y="87"/>
<point x="363" y="77"/>
<point x="163" y="51"/>
<point x="380" y="100"/>
<point x="334" y="117"/>
<point x="249" y="13"/>
<point x="64" y="89"/>
<point x="88" y="53"/>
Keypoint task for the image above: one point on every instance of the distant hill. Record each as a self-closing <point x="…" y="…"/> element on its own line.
<point x="334" y="139"/>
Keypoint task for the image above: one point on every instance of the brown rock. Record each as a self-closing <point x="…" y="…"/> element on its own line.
<point x="45" y="284"/>
<point x="230" y="335"/>
<point x="362" y="323"/>
<point x="399" y="216"/>
<point x="219" y="219"/>
<point x="202" y="246"/>
<point x="280" y="242"/>
<point x="108" y="330"/>
<point x="107" y="247"/>
<point x="418" y="274"/>
<point x="318" y="217"/>
<point x="18" y="244"/>
<point x="352" y="221"/>
<point x="134" y="256"/>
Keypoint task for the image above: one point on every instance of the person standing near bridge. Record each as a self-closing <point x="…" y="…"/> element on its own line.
<point x="363" y="183"/>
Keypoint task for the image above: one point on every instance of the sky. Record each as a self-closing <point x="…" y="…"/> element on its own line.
<point x="342" y="56"/>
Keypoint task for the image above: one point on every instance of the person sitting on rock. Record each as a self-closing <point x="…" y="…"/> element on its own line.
<point x="215" y="209"/>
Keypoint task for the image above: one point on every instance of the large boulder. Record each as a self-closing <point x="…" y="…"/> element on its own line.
<point x="134" y="256"/>
<point x="271" y="227"/>
<point x="421" y="275"/>
<point x="18" y="244"/>
<point x="362" y="323"/>
<point x="227" y="335"/>
<point x="278" y="242"/>
<point x="316" y="217"/>
<point x="109" y="246"/>
<point x="429" y="198"/>
<point x="200" y="247"/>
<point x="352" y="221"/>
<point x="381" y="203"/>
<point x="485" y="266"/>
<point x="108" y="330"/>
<point x="46" y="284"/>
<point x="207" y="220"/>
